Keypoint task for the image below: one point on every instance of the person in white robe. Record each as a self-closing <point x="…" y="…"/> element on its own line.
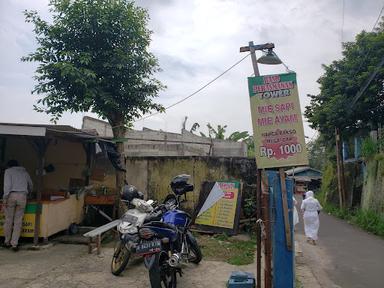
<point x="311" y="209"/>
<point x="295" y="214"/>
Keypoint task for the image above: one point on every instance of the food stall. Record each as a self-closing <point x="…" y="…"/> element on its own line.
<point x="59" y="161"/>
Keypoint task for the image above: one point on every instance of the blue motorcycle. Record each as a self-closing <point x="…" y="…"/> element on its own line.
<point x="167" y="245"/>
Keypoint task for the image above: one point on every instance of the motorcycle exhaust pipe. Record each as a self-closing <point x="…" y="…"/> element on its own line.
<point x="174" y="260"/>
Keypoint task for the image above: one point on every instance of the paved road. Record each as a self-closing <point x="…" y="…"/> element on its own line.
<point x="345" y="256"/>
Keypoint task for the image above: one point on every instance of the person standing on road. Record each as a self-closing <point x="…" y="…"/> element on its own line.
<point x="311" y="209"/>
<point x="17" y="184"/>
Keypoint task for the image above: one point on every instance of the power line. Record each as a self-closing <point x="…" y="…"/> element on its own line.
<point x="342" y="24"/>
<point x="373" y="74"/>
<point x="197" y="91"/>
<point x="378" y="18"/>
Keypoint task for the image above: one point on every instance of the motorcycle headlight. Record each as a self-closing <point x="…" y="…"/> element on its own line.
<point x="146" y="233"/>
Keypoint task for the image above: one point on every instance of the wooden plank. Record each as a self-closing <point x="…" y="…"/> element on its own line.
<point x="100" y="200"/>
<point x="102" y="229"/>
<point x="284" y="199"/>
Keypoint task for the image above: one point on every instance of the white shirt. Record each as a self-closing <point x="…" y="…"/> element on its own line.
<point x="16" y="179"/>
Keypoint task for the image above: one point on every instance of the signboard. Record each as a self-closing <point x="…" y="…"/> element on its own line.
<point x="28" y="226"/>
<point x="222" y="211"/>
<point x="277" y="123"/>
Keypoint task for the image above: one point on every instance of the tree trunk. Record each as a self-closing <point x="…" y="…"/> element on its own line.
<point x="119" y="131"/>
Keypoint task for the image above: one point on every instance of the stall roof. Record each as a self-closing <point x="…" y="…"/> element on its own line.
<point x="306" y="170"/>
<point x="43" y="130"/>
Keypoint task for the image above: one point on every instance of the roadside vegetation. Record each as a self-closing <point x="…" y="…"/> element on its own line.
<point x="233" y="250"/>
<point x="365" y="219"/>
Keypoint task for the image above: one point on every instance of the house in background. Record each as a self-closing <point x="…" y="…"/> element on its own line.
<point x="306" y="178"/>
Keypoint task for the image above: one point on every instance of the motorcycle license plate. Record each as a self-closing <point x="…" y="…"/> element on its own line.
<point x="148" y="247"/>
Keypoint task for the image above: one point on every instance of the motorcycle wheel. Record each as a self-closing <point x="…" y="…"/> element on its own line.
<point x="195" y="255"/>
<point x="120" y="258"/>
<point x="160" y="274"/>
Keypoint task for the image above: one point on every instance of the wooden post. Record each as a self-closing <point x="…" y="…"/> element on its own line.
<point x="267" y="227"/>
<point x="40" y="147"/>
<point x="339" y="169"/>
<point x="258" y="229"/>
<point x="284" y="198"/>
<point x="89" y="155"/>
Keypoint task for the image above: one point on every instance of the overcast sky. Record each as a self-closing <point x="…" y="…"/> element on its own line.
<point x="195" y="41"/>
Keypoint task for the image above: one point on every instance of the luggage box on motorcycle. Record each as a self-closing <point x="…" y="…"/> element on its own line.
<point x="239" y="279"/>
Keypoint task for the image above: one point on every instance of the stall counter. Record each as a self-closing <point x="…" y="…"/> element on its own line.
<point x="56" y="216"/>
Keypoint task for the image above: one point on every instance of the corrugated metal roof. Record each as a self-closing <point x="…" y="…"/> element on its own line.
<point x="299" y="170"/>
<point x="43" y="130"/>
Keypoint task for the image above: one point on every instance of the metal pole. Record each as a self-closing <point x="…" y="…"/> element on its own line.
<point x="258" y="187"/>
<point x="263" y="211"/>
<point x="254" y="59"/>
<point x="262" y="198"/>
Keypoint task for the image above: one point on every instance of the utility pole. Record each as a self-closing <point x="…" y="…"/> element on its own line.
<point x="262" y="195"/>
<point x="340" y="170"/>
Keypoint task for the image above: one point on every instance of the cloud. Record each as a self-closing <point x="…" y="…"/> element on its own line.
<point x="195" y="41"/>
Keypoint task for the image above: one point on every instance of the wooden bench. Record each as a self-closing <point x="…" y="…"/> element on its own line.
<point x="95" y="236"/>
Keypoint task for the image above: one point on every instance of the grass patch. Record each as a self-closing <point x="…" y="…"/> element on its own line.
<point x="232" y="250"/>
<point x="367" y="220"/>
<point x="298" y="284"/>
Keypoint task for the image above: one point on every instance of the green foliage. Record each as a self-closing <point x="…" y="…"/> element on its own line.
<point x="298" y="284"/>
<point x="249" y="207"/>
<point x="341" y="82"/>
<point x="328" y="190"/>
<point x="366" y="219"/>
<point x="194" y="127"/>
<point x="218" y="133"/>
<point x="221" y="247"/>
<point x="368" y="148"/>
<point x="94" y="57"/>
<point x="239" y="136"/>
<point x="317" y="153"/>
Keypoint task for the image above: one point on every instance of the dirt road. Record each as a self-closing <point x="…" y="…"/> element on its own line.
<point x="345" y="255"/>
<point x="70" y="266"/>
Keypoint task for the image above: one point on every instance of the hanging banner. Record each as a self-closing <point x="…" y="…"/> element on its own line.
<point x="277" y="123"/>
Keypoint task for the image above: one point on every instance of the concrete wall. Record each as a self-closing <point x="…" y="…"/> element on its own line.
<point x="152" y="175"/>
<point x="159" y="143"/>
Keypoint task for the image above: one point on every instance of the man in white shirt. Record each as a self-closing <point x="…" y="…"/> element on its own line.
<point x="17" y="184"/>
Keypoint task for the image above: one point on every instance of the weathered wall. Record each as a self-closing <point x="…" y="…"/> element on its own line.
<point x="149" y="142"/>
<point x="152" y="175"/>
<point x="373" y="190"/>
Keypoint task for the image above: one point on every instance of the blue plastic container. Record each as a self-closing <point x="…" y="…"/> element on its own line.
<point x="239" y="279"/>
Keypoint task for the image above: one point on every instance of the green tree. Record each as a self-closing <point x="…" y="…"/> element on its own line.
<point x="317" y="153"/>
<point x="215" y="133"/>
<point x="94" y="57"/>
<point x="336" y="105"/>
<point x="239" y="136"/>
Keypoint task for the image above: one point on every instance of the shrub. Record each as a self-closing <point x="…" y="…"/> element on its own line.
<point x="368" y="148"/>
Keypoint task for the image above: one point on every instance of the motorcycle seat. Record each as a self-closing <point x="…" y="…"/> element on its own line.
<point x="160" y="225"/>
